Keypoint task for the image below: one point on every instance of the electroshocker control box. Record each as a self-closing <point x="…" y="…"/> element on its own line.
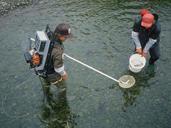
<point x="42" y="44"/>
<point x="38" y="46"/>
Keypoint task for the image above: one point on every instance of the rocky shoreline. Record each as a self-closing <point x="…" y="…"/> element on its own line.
<point x="8" y="5"/>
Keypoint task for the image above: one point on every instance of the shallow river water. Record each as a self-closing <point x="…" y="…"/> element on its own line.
<point x="101" y="38"/>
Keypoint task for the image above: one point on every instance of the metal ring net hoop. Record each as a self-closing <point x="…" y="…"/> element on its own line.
<point x="126" y="81"/>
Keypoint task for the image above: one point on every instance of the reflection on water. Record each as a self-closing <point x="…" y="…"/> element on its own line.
<point x="142" y="78"/>
<point x="55" y="110"/>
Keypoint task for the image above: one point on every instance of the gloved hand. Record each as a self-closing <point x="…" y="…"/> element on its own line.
<point x="139" y="51"/>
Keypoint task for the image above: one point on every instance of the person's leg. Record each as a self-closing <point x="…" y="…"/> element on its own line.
<point x="46" y="88"/>
<point x="154" y="53"/>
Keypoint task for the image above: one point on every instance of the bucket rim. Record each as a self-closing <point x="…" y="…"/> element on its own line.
<point x="137" y="56"/>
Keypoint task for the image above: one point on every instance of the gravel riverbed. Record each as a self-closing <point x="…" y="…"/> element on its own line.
<point x="8" y="5"/>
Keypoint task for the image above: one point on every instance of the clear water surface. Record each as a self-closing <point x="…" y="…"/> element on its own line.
<point x="101" y="38"/>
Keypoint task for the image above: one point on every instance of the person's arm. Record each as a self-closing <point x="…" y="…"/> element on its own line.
<point x="58" y="63"/>
<point x="62" y="72"/>
<point x="135" y="38"/>
<point x="149" y="44"/>
<point x="153" y="39"/>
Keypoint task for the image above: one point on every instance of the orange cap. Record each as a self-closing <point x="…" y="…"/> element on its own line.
<point x="143" y="12"/>
<point x="147" y="20"/>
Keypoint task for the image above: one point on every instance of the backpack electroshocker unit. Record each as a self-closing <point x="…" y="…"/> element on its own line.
<point x="38" y="51"/>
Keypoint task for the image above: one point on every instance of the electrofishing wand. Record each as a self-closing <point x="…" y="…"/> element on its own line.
<point x="91" y="68"/>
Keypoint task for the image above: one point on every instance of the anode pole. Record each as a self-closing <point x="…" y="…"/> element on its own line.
<point x="100" y="72"/>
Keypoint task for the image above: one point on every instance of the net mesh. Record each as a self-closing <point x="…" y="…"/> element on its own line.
<point x="126" y="81"/>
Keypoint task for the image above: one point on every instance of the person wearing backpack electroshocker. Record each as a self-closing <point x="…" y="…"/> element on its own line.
<point x="55" y="70"/>
<point x="146" y="35"/>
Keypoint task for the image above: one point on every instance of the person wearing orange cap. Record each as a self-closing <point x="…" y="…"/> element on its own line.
<point x="146" y="36"/>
